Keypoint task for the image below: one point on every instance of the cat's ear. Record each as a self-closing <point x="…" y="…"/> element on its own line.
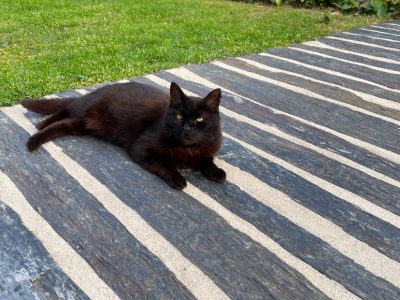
<point x="177" y="95"/>
<point x="212" y="100"/>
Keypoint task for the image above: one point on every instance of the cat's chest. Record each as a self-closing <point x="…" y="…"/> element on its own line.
<point x="186" y="157"/>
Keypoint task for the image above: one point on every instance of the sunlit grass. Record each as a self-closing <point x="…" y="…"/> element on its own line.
<point x="48" y="46"/>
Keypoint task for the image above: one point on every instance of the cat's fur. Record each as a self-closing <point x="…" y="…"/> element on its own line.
<point x="162" y="133"/>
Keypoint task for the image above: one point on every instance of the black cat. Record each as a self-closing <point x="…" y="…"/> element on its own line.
<point x="161" y="132"/>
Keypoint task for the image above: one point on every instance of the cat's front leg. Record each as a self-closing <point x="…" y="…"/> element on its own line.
<point x="166" y="172"/>
<point x="162" y="168"/>
<point x="210" y="170"/>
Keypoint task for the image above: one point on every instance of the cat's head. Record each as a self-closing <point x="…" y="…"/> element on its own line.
<point x="192" y="121"/>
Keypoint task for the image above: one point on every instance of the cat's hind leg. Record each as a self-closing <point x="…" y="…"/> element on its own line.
<point x="53" y="118"/>
<point x="55" y="130"/>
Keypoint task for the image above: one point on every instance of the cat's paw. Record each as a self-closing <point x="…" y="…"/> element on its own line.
<point x="41" y="125"/>
<point x="217" y="175"/>
<point x="177" y="182"/>
<point x="33" y="143"/>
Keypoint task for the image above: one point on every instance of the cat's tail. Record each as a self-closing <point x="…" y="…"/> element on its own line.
<point x="46" y="106"/>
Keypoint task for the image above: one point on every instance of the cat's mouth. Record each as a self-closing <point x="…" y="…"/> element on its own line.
<point x="189" y="140"/>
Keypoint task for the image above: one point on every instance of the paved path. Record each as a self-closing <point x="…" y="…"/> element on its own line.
<point x="311" y="209"/>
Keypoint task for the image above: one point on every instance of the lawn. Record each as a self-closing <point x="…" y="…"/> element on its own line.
<point x="48" y="46"/>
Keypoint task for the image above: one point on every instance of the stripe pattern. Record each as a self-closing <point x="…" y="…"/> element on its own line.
<point x="310" y="209"/>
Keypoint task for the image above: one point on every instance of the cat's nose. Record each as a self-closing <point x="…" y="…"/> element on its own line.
<point x="187" y="128"/>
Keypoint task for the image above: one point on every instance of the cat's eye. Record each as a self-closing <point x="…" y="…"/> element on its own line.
<point x="179" y="116"/>
<point x="200" y="119"/>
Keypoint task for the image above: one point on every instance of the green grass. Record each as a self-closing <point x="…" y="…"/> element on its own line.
<point x="48" y="46"/>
